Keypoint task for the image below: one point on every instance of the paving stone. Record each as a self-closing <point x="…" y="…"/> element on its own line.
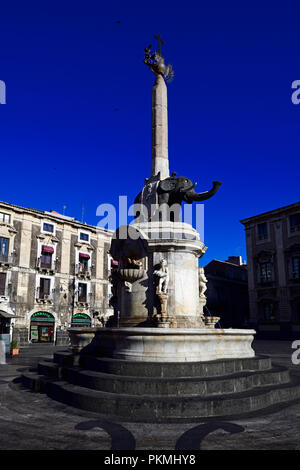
<point x="35" y="422"/>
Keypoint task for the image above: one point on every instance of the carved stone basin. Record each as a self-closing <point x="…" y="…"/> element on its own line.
<point x="130" y="274"/>
<point x="211" y="321"/>
<point x="80" y="337"/>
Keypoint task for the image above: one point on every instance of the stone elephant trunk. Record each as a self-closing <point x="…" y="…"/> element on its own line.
<point x="191" y="195"/>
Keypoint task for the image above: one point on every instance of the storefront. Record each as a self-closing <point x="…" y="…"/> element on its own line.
<point x="81" y="320"/>
<point x="42" y="327"/>
<point x="5" y="328"/>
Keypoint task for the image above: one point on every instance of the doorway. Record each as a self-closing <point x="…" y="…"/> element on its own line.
<point x="42" y="327"/>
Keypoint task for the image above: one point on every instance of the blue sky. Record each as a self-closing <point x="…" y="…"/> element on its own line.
<point x="76" y="129"/>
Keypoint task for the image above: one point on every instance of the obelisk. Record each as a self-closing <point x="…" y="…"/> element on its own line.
<point x="160" y="157"/>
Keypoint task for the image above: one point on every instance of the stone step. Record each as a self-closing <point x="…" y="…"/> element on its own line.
<point x="50" y="369"/>
<point x="162" y="369"/>
<point x="181" y="386"/>
<point x="36" y="382"/>
<point x="162" y="408"/>
<point x="64" y="358"/>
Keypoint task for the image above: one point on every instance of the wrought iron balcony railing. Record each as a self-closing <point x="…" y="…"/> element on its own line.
<point x="82" y="270"/>
<point x="8" y="259"/>
<point x="42" y="296"/>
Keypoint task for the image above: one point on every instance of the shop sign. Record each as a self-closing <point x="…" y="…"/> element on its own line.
<point x="81" y="318"/>
<point x="42" y="316"/>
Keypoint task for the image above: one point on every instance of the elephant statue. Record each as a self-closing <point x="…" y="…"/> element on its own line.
<point x="178" y="189"/>
<point x="170" y="191"/>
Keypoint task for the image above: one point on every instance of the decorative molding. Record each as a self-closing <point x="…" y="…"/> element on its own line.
<point x="9" y="227"/>
<point x="52" y="238"/>
<point x="265" y="256"/>
<point x="83" y="244"/>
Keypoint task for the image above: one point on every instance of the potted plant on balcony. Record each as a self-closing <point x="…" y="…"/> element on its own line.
<point x="14" y="348"/>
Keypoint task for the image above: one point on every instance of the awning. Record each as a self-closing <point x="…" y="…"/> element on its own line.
<point x="84" y="255"/>
<point x="7" y="315"/>
<point x="47" y="249"/>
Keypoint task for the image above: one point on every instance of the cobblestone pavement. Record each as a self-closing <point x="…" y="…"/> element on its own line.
<point x="32" y="421"/>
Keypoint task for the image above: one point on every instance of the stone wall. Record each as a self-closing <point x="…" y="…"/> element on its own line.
<point x="26" y="233"/>
<point x="277" y="248"/>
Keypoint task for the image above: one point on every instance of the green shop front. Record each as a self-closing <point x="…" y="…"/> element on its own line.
<point x="81" y="320"/>
<point x="42" y="327"/>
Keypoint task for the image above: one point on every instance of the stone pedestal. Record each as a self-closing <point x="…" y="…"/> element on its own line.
<point x="163" y="319"/>
<point x="178" y="244"/>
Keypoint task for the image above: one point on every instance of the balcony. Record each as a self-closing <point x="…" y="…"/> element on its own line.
<point x="82" y="303"/>
<point x="83" y="300"/>
<point x="43" y="298"/>
<point x="294" y="278"/>
<point x="263" y="236"/>
<point x="83" y="271"/>
<point x="48" y="268"/>
<point x="4" y="297"/>
<point x="7" y="260"/>
<point x="265" y="282"/>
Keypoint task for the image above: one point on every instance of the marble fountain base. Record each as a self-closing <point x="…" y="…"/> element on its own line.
<point x="163" y="375"/>
<point x="163" y="344"/>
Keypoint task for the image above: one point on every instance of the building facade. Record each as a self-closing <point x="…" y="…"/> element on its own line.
<point x="54" y="274"/>
<point x="227" y="292"/>
<point x="273" y="257"/>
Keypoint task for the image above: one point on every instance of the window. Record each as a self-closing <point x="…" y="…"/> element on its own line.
<point x="82" y="291"/>
<point x="297" y="311"/>
<point x="2" y="283"/>
<point x="84" y="236"/>
<point x="268" y="311"/>
<point x="4" y="243"/>
<point x="294" y="222"/>
<point x="83" y="263"/>
<point x="230" y="274"/>
<point x="44" y="287"/>
<point x="265" y="272"/>
<point x="48" y="227"/>
<point x="262" y="231"/>
<point x="296" y="267"/>
<point x="46" y="260"/>
<point x="5" y="218"/>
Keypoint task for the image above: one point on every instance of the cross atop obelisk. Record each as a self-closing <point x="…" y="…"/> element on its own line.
<point x="160" y="157"/>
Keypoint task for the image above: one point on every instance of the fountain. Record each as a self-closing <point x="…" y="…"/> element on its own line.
<point x="160" y="358"/>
